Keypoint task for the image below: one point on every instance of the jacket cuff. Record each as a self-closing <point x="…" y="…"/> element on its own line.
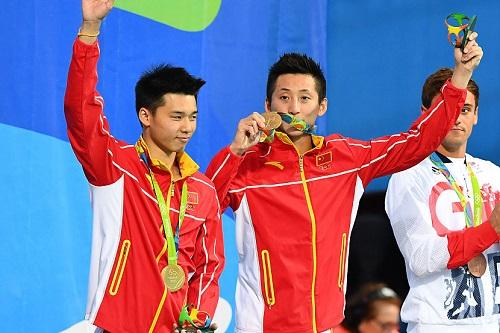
<point x="466" y="244"/>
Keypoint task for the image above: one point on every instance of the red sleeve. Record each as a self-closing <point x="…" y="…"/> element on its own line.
<point x="203" y="290"/>
<point x="463" y="245"/>
<point x="223" y="171"/>
<point x="390" y="154"/>
<point x="88" y="129"/>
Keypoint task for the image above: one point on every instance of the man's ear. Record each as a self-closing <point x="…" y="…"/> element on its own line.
<point x="323" y="106"/>
<point x="267" y="105"/>
<point x="476" y="115"/>
<point x="145" y="117"/>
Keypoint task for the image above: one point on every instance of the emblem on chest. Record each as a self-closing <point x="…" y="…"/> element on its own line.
<point x="324" y="161"/>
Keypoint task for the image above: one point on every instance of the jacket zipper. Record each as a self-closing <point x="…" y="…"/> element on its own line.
<point x="268" y="278"/>
<point x="313" y="231"/>
<point x="342" y="260"/>
<point x="120" y="267"/>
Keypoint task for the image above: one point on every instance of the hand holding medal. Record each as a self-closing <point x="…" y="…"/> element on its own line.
<point x="272" y="121"/>
<point x="275" y="119"/>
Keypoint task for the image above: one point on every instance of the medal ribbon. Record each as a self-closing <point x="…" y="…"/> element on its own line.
<point x="301" y="125"/>
<point x="172" y="240"/>
<point x="470" y="220"/>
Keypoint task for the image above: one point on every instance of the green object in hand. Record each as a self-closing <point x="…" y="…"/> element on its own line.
<point x="193" y="320"/>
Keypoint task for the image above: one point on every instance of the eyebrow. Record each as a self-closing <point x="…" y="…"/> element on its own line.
<point x="301" y="90"/>
<point x="184" y="112"/>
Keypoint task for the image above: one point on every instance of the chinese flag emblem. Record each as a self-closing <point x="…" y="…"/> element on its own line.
<point x="324" y="159"/>
<point x="192" y="198"/>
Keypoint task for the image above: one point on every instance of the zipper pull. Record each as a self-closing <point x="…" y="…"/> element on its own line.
<point x="172" y="188"/>
<point x="301" y="163"/>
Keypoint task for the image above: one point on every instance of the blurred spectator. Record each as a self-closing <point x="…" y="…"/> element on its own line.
<point x="373" y="309"/>
<point x="373" y="252"/>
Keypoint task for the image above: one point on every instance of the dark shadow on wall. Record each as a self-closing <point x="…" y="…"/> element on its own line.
<point x="373" y="254"/>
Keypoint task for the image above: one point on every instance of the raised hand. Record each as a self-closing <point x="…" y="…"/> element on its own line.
<point x="96" y="10"/>
<point x="466" y="62"/>
<point x="93" y="12"/>
<point x="472" y="54"/>
<point x="247" y="135"/>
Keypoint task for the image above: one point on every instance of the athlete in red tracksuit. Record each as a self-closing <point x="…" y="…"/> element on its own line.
<point x="295" y="199"/>
<point x="129" y="250"/>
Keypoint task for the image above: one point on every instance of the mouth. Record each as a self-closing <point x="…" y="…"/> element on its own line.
<point x="183" y="138"/>
<point x="458" y="129"/>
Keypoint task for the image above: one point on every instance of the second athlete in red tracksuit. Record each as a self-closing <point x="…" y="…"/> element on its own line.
<point x="294" y="215"/>
<point x="126" y="292"/>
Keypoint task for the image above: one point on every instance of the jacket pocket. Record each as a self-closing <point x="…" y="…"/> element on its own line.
<point x="342" y="261"/>
<point x="268" y="278"/>
<point x="120" y="267"/>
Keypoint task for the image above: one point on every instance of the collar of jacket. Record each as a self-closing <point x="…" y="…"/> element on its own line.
<point x="187" y="165"/>
<point x="316" y="139"/>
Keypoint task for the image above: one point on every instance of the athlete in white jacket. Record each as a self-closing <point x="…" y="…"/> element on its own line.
<point x="448" y="239"/>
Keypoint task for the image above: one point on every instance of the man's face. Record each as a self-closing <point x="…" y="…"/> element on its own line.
<point x="386" y="319"/>
<point x="296" y="94"/>
<point x="173" y="123"/>
<point x="462" y="129"/>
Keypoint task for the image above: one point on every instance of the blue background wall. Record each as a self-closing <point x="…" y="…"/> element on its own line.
<point x="376" y="56"/>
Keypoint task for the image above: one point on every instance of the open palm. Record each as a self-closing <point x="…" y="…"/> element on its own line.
<point x="94" y="10"/>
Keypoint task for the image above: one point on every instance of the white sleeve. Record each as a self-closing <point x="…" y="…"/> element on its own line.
<point x="407" y="207"/>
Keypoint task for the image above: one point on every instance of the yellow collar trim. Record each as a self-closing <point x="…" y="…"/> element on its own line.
<point x="187" y="166"/>
<point x="316" y="139"/>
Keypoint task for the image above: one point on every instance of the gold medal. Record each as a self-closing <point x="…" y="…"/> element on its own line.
<point x="272" y="120"/>
<point x="173" y="276"/>
<point x="477" y="265"/>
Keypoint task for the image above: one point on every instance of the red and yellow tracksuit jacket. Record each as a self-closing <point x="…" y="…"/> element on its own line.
<point x="294" y="215"/>
<point x="126" y="292"/>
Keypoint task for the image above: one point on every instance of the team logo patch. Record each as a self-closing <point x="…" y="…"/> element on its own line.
<point x="192" y="198"/>
<point x="324" y="159"/>
<point x="276" y="164"/>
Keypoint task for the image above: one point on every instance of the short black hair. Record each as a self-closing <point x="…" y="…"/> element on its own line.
<point x="296" y="63"/>
<point x="163" y="79"/>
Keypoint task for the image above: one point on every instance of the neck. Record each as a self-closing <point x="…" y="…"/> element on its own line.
<point x="166" y="157"/>
<point x="454" y="153"/>
<point x="302" y="143"/>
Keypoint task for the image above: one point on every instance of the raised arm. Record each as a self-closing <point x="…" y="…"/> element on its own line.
<point x="390" y="154"/>
<point x="223" y="169"/>
<point x="88" y="129"/>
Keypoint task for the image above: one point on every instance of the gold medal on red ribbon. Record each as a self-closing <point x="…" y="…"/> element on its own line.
<point x="477" y="265"/>
<point x="272" y="120"/>
<point x="173" y="276"/>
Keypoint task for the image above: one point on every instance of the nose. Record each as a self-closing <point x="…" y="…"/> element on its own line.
<point x="187" y="126"/>
<point x="294" y="107"/>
